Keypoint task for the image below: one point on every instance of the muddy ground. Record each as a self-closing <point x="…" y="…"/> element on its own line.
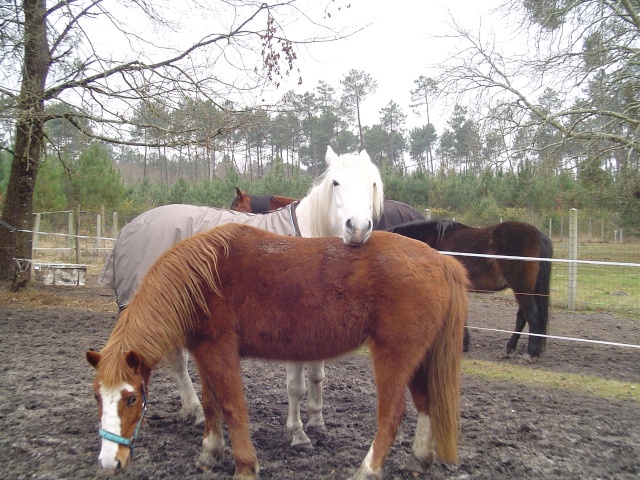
<point x="510" y="429"/>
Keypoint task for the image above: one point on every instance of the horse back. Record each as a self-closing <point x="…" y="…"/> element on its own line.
<point x="280" y="295"/>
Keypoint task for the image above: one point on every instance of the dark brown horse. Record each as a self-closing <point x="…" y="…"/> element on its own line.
<point x="394" y="212"/>
<point x="236" y="291"/>
<point x="529" y="280"/>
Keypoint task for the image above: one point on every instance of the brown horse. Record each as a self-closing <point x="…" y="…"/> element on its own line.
<point x="243" y="202"/>
<point x="529" y="280"/>
<point x="394" y="212"/>
<point x="308" y="300"/>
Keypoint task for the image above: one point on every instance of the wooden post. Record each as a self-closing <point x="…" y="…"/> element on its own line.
<point x="36" y="229"/>
<point x="427" y="214"/>
<point x="98" y="242"/>
<point x="77" y="232"/>
<point x="115" y="225"/>
<point x="573" y="255"/>
<point x="70" y="242"/>
<point x="550" y="223"/>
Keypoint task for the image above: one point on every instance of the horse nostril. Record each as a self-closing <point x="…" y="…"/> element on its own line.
<point x="118" y="465"/>
<point x="349" y="225"/>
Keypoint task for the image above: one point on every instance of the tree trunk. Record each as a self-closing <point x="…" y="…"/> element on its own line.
<point x="18" y="206"/>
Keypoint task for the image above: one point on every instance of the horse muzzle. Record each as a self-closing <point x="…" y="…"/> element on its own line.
<point x="356" y="236"/>
<point x="118" y="464"/>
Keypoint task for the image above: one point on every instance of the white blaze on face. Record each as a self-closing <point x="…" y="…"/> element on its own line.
<point x="110" y="422"/>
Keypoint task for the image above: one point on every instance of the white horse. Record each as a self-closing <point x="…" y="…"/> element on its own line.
<point x="345" y="203"/>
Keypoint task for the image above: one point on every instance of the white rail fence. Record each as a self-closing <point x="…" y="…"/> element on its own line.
<point x="571" y="286"/>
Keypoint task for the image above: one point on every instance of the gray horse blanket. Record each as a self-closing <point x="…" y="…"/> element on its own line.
<point x="153" y="232"/>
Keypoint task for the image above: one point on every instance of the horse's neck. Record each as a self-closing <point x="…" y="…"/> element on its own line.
<point x="312" y="220"/>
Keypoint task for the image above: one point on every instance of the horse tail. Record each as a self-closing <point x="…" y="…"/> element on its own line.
<point x="543" y="288"/>
<point x="443" y="366"/>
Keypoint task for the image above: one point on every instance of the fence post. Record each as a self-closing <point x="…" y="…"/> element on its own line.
<point x="77" y="233"/>
<point x="36" y="229"/>
<point x="427" y="214"/>
<point x="115" y="225"/>
<point x="573" y="255"/>
<point x="602" y="229"/>
<point x="71" y="239"/>
<point x="550" y="224"/>
<point x="98" y="243"/>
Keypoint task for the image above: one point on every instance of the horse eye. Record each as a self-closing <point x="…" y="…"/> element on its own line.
<point x="131" y="400"/>
<point x="335" y="183"/>
<point x="97" y="398"/>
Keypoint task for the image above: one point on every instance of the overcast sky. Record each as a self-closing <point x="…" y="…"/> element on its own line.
<point x="399" y="44"/>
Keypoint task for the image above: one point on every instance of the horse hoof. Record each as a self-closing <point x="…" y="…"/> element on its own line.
<point x="504" y="355"/>
<point x="412" y="465"/>
<point x="202" y="466"/>
<point x="529" y="359"/>
<point x="303" y="447"/>
<point x="199" y="420"/>
<point x="246" y="476"/>
<point x="317" y="429"/>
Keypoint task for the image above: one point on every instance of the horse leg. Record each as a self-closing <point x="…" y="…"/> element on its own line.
<point x="191" y="407"/>
<point x="513" y="341"/>
<point x="527" y="313"/>
<point x="219" y="364"/>
<point x="466" y="339"/>
<point x="424" y="449"/>
<point x="296" y="390"/>
<point x="529" y="309"/>
<point x="213" y="440"/>
<point x="391" y="378"/>
<point x="315" y="372"/>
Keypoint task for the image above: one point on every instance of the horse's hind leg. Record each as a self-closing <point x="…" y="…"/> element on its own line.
<point x="527" y="313"/>
<point x="513" y="341"/>
<point x="392" y="378"/>
<point x="296" y="390"/>
<point x="191" y="407"/>
<point x="423" y="449"/>
<point x="315" y="372"/>
<point x="529" y="308"/>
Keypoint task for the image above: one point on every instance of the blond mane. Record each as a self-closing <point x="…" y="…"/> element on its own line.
<point x="161" y="315"/>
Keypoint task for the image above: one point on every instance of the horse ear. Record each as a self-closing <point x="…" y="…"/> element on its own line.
<point x="136" y="364"/>
<point x="134" y="361"/>
<point x="365" y="156"/>
<point x="331" y="155"/>
<point x="93" y="358"/>
<point x="238" y="193"/>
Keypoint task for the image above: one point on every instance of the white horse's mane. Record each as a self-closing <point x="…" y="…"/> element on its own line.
<point x="320" y="195"/>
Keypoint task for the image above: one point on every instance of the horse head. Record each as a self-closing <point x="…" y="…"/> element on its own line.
<point x="120" y="388"/>
<point x="346" y="202"/>
<point x="242" y="202"/>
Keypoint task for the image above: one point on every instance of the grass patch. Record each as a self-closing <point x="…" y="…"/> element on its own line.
<point x="600" y="287"/>
<point x="596" y="386"/>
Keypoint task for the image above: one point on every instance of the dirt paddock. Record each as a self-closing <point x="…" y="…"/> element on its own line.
<point x="512" y="428"/>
